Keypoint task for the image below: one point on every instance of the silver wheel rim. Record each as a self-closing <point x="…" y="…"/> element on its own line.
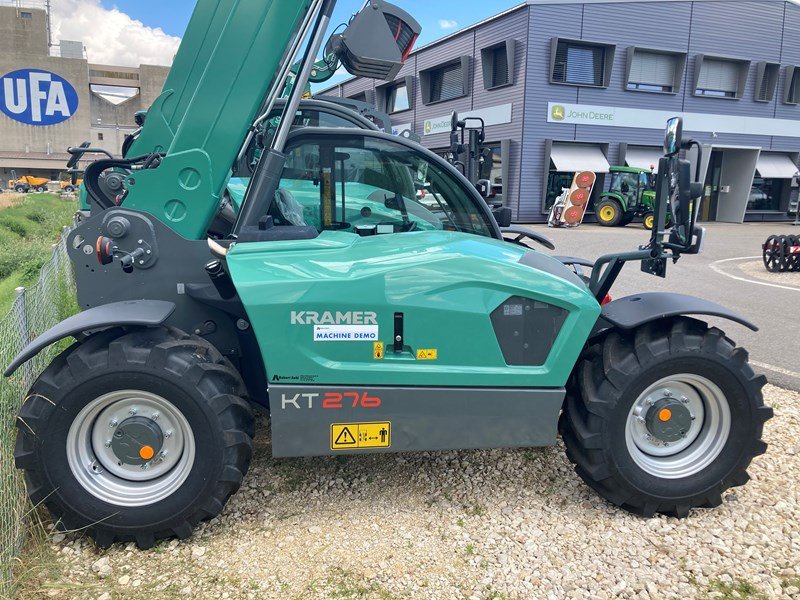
<point x="99" y="471"/>
<point x="703" y="441"/>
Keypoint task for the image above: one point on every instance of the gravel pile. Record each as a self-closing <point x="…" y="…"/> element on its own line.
<point x="469" y="524"/>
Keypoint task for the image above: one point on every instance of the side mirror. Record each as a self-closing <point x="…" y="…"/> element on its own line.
<point x="484" y="187"/>
<point x="673" y="136"/>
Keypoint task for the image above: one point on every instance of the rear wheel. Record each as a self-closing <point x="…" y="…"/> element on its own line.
<point x="664" y="419"/>
<point x="135" y="436"/>
<point x="609" y="212"/>
<point x="40" y="189"/>
<point x="20" y="189"/>
<point x="69" y="189"/>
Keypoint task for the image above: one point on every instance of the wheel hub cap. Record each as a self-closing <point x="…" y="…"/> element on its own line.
<point x="137" y="440"/>
<point x="668" y="420"/>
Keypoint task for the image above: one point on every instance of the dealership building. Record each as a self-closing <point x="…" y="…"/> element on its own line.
<point x="569" y="85"/>
<point x="52" y="97"/>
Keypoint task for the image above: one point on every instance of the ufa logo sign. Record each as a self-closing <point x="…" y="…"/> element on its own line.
<point x="36" y="97"/>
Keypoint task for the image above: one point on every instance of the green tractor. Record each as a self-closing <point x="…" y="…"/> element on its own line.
<point x="363" y="316"/>
<point x="631" y="194"/>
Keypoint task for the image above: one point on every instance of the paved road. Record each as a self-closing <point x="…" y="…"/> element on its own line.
<point x="726" y="272"/>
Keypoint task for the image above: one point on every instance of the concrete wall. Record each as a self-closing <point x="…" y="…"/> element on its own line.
<point x="23" y="44"/>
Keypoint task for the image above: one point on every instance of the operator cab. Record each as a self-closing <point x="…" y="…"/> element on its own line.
<point x="370" y="183"/>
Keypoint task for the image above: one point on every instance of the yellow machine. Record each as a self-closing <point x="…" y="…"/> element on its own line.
<point x="27" y="183"/>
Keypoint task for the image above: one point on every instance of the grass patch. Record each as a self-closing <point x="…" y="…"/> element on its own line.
<point x="739" y="588"/>
<point x="29" y="226"/>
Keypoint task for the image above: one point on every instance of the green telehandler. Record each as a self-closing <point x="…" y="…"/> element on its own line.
<point x="631" y="194"/>
<point x="363" y="317"/>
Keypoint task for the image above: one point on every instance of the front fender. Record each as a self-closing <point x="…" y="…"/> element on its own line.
<point x="632" y="311"/>
<point x="145" y="313"/>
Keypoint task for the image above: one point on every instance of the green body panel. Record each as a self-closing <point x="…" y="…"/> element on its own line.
<point x="649" y="200"/>
<point x="237" y="186"/>
<point x="445" y="283"/>
<point x="218" y="81"/>
<point x="618" y="197"/>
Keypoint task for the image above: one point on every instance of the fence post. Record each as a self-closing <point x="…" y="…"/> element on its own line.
<point x="24" y="330"/>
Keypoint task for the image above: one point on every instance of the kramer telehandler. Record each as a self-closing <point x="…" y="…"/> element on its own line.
<point x="363" y="318"/>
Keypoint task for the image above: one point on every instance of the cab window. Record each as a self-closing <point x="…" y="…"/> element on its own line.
<point x="372" y="187"/>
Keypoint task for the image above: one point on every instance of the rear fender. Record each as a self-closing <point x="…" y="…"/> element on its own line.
<point x="144" y="313"/>
<point x="633" y="311"/>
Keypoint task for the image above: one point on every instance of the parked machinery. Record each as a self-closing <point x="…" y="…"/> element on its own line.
<point x="781" y="253"/>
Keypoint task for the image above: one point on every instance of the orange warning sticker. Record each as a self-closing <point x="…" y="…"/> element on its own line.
<point x="351" y="436"/>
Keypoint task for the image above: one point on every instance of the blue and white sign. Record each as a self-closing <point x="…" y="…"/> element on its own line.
<point x="37" y="97"/>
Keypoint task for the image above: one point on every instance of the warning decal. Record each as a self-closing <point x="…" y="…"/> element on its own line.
<point x="377" y="350"/>
<point x="349" y="436"/>
<point x="427" y="354"/>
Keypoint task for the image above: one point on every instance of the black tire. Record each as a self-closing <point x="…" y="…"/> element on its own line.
<point x="648" y="220"/>
<point x="69" y="189"/>
<point x="607" y="382"/>
<point x="20" y="189"/>
<point x="187" y="371"/>
<point x="40" y="189"/>
<point x="608" y="212"/>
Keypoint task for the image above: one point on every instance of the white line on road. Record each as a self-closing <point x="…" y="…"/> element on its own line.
<point x="721" y="272"/>
<point x="761" y="365"/>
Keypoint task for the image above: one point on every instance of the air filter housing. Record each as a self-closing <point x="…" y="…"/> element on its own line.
<point x="376" y="42"/>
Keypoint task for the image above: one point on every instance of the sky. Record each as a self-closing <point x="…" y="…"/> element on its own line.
<point x="130" y="32"/>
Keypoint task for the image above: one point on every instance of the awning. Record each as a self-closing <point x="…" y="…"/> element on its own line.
<point x="643" y="157"/>
<point x="775" y="165"/>
<point x="572" y="158"/>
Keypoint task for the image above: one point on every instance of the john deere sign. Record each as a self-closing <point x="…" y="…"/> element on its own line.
<point x="493" y="115"/>
<point x="572" y="113"/>
<point x="618" y="116"/>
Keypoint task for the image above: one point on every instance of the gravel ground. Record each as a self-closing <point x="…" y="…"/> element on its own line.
<point x="755" y="269"/>
<point x="469" y="524"/>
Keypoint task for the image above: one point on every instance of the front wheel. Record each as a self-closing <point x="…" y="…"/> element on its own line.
<point x="648" y="220"/>
<point x="135" y="436"/>
<point x="20" y="189"/>
<point x="69" y="189"/>
<point x="609" y="213"/>
<point x="664" y="419"/>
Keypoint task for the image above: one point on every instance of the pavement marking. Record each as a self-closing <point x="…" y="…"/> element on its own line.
<point x="719" y="270"/>
<point x="761" y="365"/>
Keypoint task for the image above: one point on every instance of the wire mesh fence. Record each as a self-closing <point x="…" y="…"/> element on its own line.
<point x="34" y="310"/>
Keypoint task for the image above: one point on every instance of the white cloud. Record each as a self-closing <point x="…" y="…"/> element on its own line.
<point x="447" y="24"/>
<point x="110" y="36"/>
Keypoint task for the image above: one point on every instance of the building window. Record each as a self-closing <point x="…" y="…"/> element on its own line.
<point x="768" y="194"/>
<point x="445" y="82"/>
<point x="655" y="70"/>
<point x="720" y="77"/>
<point x="498" y="64"/>
<point x="791" y="94"/>
<point x="766" y="81"/>
<point x="100" y="136"/>
<point x="25" y="15"/>
<point x="581" y="63"/>
<point x="395" y="97"/>
<point x="367" y="96"/>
